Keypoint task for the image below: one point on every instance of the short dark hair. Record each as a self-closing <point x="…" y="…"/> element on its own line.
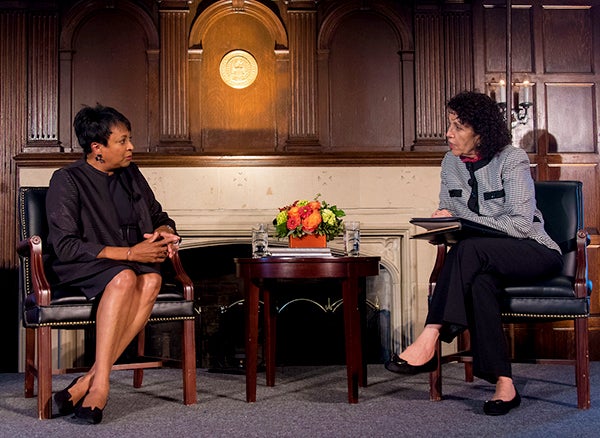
<point x="481" y="112"/>
<point x="95" y="125"/>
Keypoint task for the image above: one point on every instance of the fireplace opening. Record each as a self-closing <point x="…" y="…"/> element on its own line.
<point x="310" y="329"/>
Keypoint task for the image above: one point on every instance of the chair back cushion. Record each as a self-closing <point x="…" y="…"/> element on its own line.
<point x="32" y="212"/>
<point x="561" y="204"/>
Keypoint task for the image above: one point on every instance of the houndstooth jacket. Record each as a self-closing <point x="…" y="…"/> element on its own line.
<point x="505" y="194"/>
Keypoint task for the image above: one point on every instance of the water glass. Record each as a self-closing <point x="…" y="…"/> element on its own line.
<point x="260" y="240"/>
<point x="352" y="238"/>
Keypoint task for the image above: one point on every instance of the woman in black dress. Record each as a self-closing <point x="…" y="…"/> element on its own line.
<point x="107" y="237"/>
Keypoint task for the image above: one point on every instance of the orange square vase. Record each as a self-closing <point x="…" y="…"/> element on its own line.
<point x="309" y="241"/>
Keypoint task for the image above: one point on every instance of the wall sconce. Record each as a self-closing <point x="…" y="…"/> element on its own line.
<point x="523" y="100"/>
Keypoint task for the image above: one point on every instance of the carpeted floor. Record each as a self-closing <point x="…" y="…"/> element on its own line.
<point x="312" y="402"/>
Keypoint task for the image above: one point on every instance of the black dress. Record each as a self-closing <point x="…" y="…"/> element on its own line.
<point x="87" y="210"/>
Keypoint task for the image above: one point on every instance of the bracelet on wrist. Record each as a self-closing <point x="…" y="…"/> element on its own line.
<point x="128" y="254"/>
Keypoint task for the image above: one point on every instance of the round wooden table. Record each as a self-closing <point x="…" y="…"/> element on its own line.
<point x="350" y="271"/>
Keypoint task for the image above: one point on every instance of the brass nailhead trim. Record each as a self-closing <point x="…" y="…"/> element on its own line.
<point x="537" y="315"/>
<point x="59" y="324"/>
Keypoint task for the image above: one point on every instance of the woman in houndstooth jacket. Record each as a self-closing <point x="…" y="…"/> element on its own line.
<point x="486" y="180"/>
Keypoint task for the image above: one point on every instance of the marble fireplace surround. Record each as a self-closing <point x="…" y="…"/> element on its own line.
<point x="219" y="205"/>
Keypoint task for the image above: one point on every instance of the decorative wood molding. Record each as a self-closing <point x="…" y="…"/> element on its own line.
<point x="386" y="159"/>
<point x="342" y="9"/>
<point x="303" y="76"/>
<point x="253" y="8"/>
<point x="70" y="25"/>
<point x="149" y="159"/>
<point x="174" y="126"/>
<point x="42" y="132"/>
<point x="429" y="80"/>
<point x="13" y="123"/>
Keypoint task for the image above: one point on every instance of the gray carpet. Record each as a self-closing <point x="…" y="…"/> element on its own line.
<point x="312" y="402"/>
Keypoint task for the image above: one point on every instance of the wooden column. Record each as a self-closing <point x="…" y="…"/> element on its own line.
<point x="42" y="102"/>
<point x="303" y="133"/>
<point x="13" y="107"/>
<point x="444" y="67"/>
<point x="174" y="126"/>
<point x="458" y="51"/>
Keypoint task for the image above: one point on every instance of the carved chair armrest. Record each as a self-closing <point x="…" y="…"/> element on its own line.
<point x="581" y="274"/>
<point x="32" y="248"/>
<point x="442" y="248"/>
<point x="182" y="277"/>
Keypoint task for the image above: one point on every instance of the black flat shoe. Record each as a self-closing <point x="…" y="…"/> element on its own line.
<point x="87" y="414"/>
<point x="501" y="407"/>
<point x="62" y="399"/>
<point x="400" y="366"/>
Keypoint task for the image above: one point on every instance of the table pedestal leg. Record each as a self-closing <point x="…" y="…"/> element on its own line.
<point x="270" y="320"/>
<point x="251" y="311"/>
<point x="353" y="338"/>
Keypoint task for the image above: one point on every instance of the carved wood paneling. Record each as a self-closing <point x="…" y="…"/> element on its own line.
<point x="257" y="116"/>
<point x="365" y="98"/>
<point x="444" y="67"/>
<point x="174" y="132"/>
<point x="574" y="102"/>
<point x="303" y="79"/>
<point x="13" y="122"/>
<point x="429" y="80"/>
<point x="458" y="51"/>
<point x="568" y="26"/>
<point x="42" y="90"/>
<point x="495" y="38"/>
<point x="117" y="68"/>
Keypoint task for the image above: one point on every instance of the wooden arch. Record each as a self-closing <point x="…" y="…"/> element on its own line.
<point x="252" y="8"/>
<point x="85" y="9"/>
<point x="334" y="18"/>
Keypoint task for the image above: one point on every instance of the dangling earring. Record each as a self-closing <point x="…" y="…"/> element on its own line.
<point x="99" y="158"/>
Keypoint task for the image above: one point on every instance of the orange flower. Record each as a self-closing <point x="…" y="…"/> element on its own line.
<point x="304" y="217"/>
<point x="294" y="212"/>
<point x="311" y="223"/>
<point x="314" y="205"/>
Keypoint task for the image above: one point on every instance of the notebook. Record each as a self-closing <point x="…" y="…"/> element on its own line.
<point x="450" y="230"/>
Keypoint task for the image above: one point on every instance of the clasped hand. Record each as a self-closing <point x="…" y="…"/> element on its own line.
<point x="156" y="247"/>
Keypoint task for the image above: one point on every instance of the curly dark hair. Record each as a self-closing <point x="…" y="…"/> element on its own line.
<point x="481" y="112"/>
<point x="94" y="124"/>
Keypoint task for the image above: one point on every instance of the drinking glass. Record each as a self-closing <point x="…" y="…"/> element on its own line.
<point x="260" y="240"/>
<point x="352" y="238"/>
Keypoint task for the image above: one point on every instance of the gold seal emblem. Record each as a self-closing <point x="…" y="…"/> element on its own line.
<point x="238" y="69"/>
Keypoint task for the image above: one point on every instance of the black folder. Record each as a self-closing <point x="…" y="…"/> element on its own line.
<point x="450" y="230"/>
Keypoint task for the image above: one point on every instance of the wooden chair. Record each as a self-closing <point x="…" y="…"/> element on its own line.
<point x="42" y="313"/>
<point x="564" y="297"/>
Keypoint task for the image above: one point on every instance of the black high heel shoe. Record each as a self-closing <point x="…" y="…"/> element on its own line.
<point x="87" y="414"/>
<point x="62" y="399"/>
<point x="400" y="366"/>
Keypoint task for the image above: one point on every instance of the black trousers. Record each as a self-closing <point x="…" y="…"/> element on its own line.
<point x="467" y="294"/>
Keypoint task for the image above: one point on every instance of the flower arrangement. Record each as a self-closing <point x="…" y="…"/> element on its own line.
<point x="305" y="217"/>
